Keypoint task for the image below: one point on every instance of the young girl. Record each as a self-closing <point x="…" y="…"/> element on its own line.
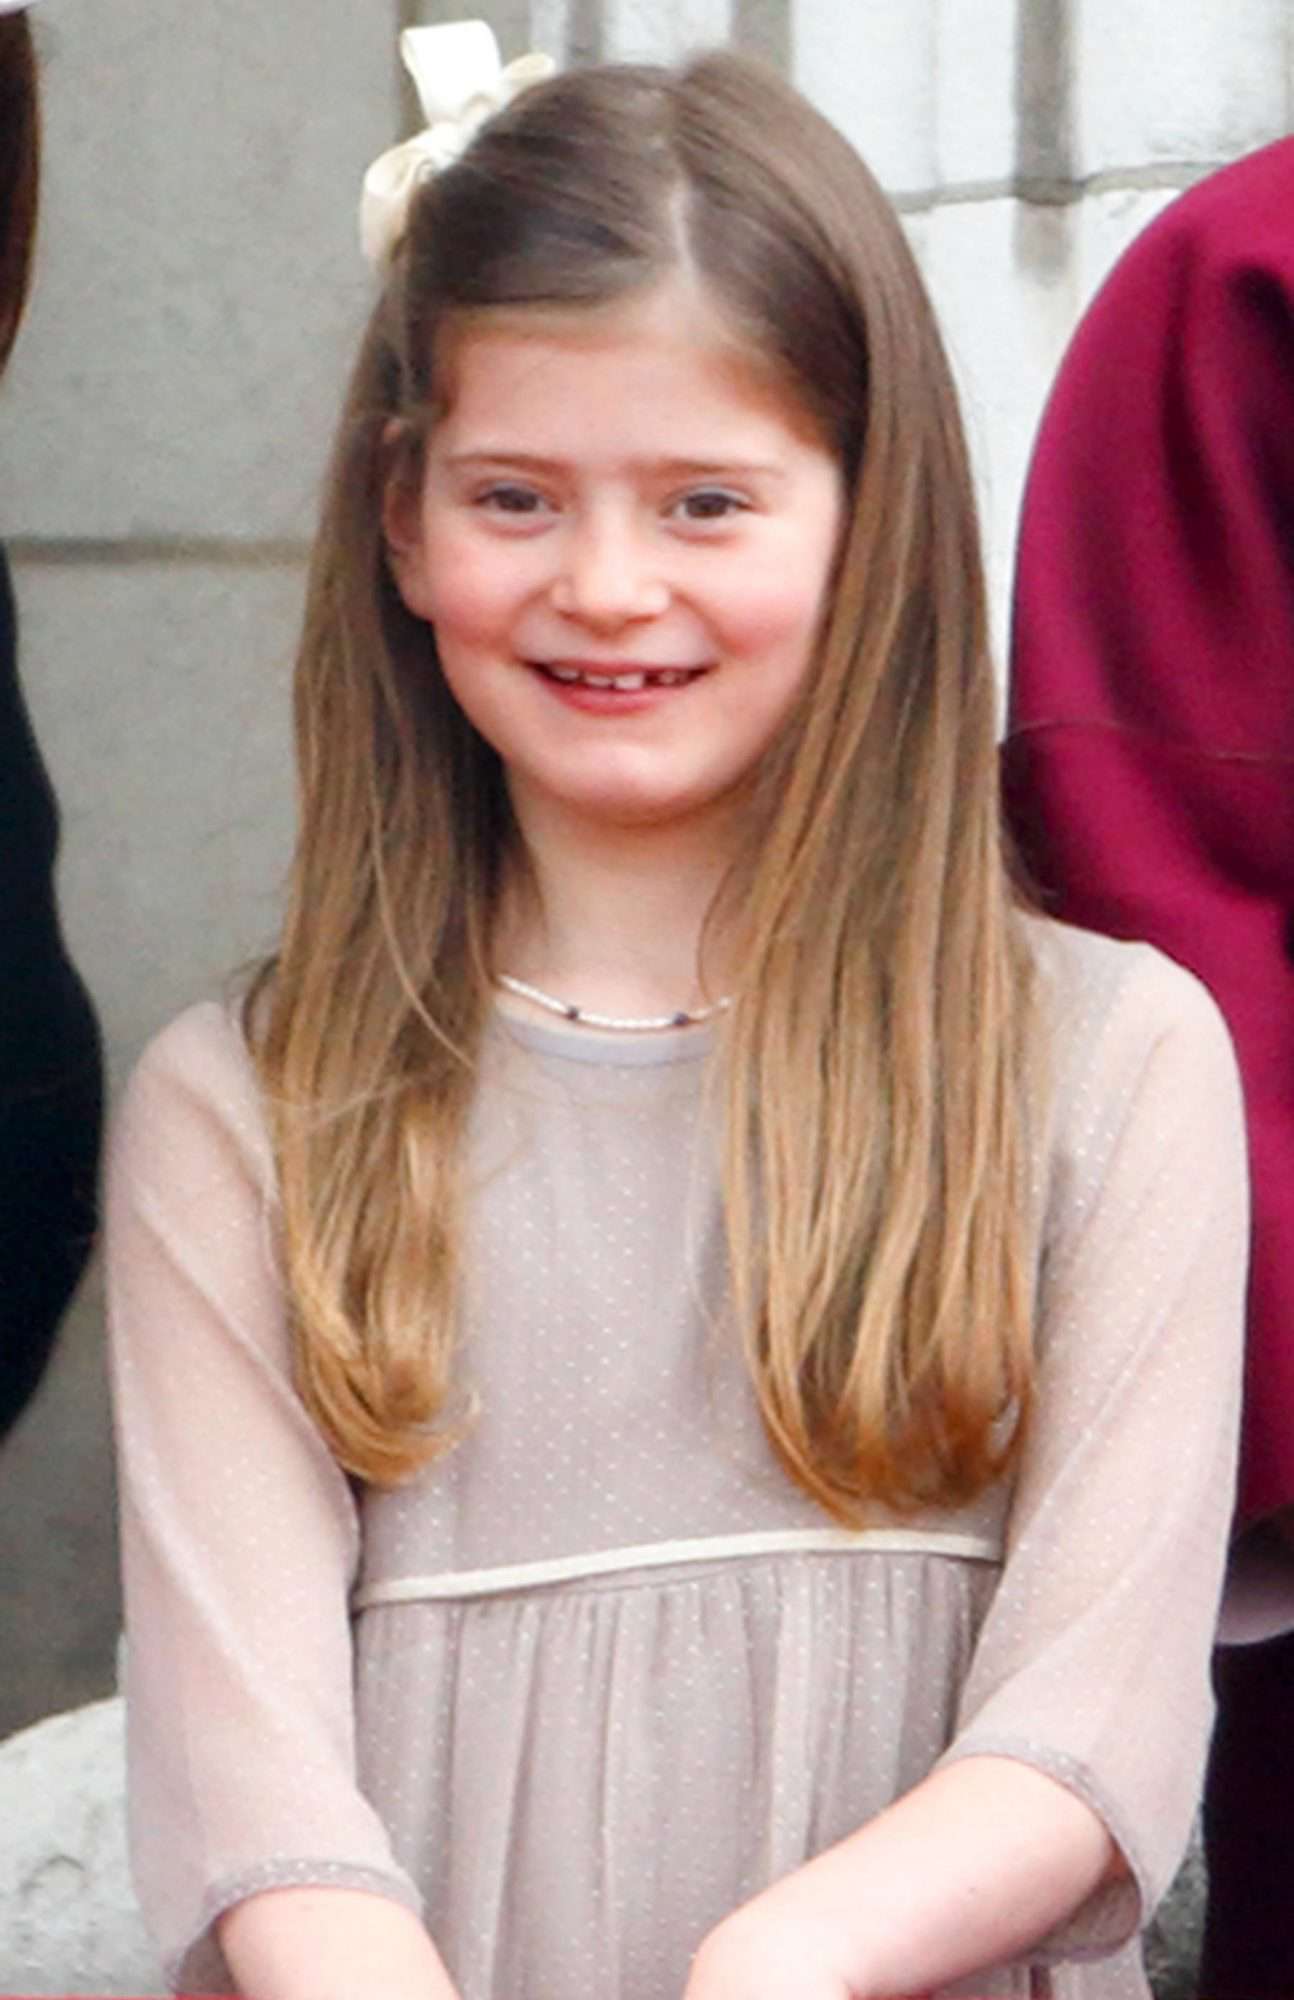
<point x="677" y="1360"/>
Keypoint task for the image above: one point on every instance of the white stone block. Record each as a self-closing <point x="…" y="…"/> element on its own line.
<point x="975" y="95"/>
<point x="549" y="24"/>
<point x="870" y="66"/>
<point x="1201" y="82"/>
<point x="160" y="696"/>
<point x="999" y="274"/>
<point x="1010" y="282"/>
<point x="663" y="30"/>
<point x="199" y="284"/>
<point x="68" y="1919"/>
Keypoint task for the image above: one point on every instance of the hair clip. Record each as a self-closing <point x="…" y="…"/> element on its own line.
<point x="460" y="82"/>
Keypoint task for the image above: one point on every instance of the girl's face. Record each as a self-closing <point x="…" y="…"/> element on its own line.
<point x="623" y="539"/>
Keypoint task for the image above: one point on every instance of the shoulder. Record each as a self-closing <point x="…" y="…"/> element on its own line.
<point x="1235" y="214"/>
<point x="1120" y="999"/>
<point x="1137" y="1058"/>
<point x="203" y="1044"/>
<point x="195" y="1085"/>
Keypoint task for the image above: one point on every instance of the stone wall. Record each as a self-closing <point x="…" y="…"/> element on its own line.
<point x="68" y="1921"/>
<point x="161" y="437"/>
<point x="1027" y="141"/>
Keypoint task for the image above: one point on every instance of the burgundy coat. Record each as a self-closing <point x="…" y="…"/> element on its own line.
<point x="1150" y="761"/>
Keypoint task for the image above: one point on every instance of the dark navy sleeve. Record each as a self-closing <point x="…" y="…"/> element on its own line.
<point x="51" y="1081"/>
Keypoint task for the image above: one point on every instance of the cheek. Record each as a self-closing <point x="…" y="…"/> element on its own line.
<point x="779" y="612"/>
<point x="469" y="596"/>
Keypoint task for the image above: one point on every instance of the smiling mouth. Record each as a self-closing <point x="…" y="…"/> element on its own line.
<point x="632" y="680"/>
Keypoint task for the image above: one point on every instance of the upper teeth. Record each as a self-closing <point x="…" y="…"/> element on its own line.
<point x="625" y="683"/>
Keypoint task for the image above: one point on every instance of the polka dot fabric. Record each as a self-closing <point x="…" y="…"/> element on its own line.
<point x="594" y="1679"/>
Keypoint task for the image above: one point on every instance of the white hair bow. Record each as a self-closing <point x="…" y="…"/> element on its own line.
<point x="461" y="82"/>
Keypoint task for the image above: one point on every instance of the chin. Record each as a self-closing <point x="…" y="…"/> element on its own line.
<point x="631" y="813"/>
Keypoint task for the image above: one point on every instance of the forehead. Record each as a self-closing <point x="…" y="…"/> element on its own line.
<point x="668" y="355"/>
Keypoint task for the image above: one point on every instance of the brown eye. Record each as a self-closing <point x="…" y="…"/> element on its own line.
<point x="710" y="503"/>
<point x="511" y="499"/>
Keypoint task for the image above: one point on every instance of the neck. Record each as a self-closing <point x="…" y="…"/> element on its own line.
<point x="615" y="923"/>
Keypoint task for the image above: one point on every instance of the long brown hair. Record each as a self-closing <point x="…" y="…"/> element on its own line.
<point x="19" y="172"/>
<point x="876" y="1064"/>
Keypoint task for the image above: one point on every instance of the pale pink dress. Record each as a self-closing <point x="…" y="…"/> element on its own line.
<point x="603" y="1672"/>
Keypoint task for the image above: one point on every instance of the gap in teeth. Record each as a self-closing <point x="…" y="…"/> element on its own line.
<point x="630" y="683"/>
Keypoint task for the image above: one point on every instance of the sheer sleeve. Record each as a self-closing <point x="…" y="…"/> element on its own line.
<point x="239" y="1530"/>
<point x="1092" y="1664"/>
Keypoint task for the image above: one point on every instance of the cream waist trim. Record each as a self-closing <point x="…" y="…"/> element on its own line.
<point x="449" y="1584"/>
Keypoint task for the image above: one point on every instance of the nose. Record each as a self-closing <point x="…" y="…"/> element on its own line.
<point x="611" y="573"/>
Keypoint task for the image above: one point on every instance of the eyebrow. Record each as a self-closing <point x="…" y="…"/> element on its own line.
<point x="674" y="468"/>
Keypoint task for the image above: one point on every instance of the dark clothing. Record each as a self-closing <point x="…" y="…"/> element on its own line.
<point x="1150" y="783"/>
<point x="1150" y="761"/>
<point x="1249" y="1826"/>
<point x="51" y="1085"/>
